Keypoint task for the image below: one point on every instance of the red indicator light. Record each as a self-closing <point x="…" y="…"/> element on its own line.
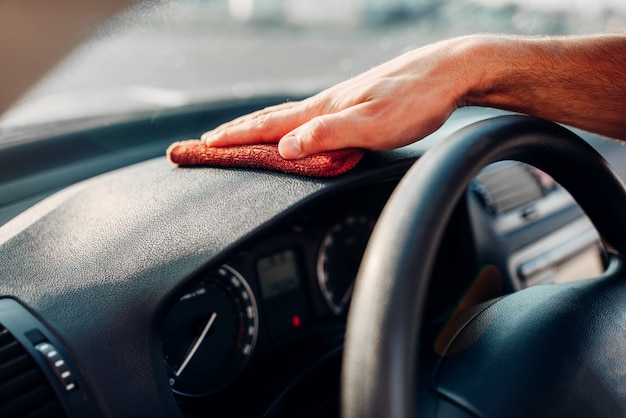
<point x="296" y="321"/>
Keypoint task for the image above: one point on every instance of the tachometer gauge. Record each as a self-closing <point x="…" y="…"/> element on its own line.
<point x="339" y="259"/>
<point x="209" y="334"/>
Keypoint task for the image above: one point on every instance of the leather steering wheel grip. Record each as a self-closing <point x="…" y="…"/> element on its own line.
<point x="382" y="337"/>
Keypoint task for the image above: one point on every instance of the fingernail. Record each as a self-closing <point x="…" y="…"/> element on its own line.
<point x="289" y="147"/>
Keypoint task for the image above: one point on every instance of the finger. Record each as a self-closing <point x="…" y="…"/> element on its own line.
<point x="252" y="115"/>
<point x="345" y="129"/>
<point x="264" y="126"/>
<point x="367" y="125"/>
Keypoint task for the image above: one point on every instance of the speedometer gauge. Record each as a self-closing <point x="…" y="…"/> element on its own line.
<point x="339" y="259"/>
<point x="209" y="334"/>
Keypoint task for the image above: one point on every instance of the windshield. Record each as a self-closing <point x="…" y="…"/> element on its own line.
<point x="170" y="54"/>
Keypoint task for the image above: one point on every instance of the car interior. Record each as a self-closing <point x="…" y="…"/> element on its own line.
<point x="477" y="272"/>
<point x="169" y="290"/>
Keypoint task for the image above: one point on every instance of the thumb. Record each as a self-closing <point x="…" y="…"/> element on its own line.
<point x="323" y="133"/>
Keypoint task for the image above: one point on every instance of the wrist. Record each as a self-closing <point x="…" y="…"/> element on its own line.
<point x="494" y="70"/>
<point x="473" y="69"/>
<point x="509" y="71"/>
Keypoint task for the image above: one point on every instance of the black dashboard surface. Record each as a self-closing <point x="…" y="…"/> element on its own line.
<point x="98" y="260"/>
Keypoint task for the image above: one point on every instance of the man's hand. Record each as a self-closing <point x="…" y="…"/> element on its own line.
<point x="391" y="105"/>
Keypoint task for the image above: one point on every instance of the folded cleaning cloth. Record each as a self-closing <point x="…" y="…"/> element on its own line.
<point x="264" y="156"/>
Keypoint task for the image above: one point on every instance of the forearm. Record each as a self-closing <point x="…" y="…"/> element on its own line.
<point x="580" y="81"/>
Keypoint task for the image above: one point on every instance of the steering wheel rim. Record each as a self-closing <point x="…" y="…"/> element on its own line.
<point x="382" y="337"/>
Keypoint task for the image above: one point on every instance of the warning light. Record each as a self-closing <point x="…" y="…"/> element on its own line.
<point x="296" y="321"/>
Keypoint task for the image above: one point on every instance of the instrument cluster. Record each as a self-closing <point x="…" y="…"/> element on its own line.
<point x="283" y="284"/>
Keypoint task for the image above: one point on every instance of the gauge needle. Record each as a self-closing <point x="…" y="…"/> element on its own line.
<point x="196" y="345"/>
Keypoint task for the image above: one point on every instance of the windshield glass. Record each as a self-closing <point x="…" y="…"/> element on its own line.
<point x="168" y="54"/>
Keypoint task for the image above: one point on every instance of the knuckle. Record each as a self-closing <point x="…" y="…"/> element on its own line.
<point x="262" y="121"/>
<point x="308" y="109"/>
<point x="222" y="137"/>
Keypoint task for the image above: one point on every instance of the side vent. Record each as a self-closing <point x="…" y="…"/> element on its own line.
<point x="506" y="186"/>
<point x="24" y="390"/>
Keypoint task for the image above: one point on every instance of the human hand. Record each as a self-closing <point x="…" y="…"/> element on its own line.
<point x="389" y="106"/>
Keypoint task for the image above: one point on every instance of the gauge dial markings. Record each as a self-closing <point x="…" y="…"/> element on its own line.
<point x="210" y="333"/>
<point x="339" y="257"/>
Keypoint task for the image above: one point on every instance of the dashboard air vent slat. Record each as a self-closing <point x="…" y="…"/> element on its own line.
<point x="14" y="366"/>
<point x="506" y="186"/>
<point x="24" y="390"/>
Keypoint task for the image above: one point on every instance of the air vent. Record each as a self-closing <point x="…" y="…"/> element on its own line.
<point x="508" y="185"/>
<point x="24" y="390"/>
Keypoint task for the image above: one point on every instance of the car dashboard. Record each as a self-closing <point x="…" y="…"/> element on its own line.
<point x="156" y="290"/>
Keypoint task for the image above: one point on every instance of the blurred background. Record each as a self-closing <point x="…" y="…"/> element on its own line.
<point x="163" y="55"/>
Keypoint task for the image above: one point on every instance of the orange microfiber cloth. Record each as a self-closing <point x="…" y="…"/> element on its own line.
<point x="265" y="156"/>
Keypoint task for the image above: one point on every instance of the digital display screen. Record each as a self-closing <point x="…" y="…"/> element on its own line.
<point x="285" y="299"/>
<point x="278" y="274"/>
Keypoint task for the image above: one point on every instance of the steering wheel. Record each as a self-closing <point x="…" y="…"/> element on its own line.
<point x="554" y="350"/>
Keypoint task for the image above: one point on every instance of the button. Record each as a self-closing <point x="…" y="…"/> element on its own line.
<point x="57" y="364"/>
